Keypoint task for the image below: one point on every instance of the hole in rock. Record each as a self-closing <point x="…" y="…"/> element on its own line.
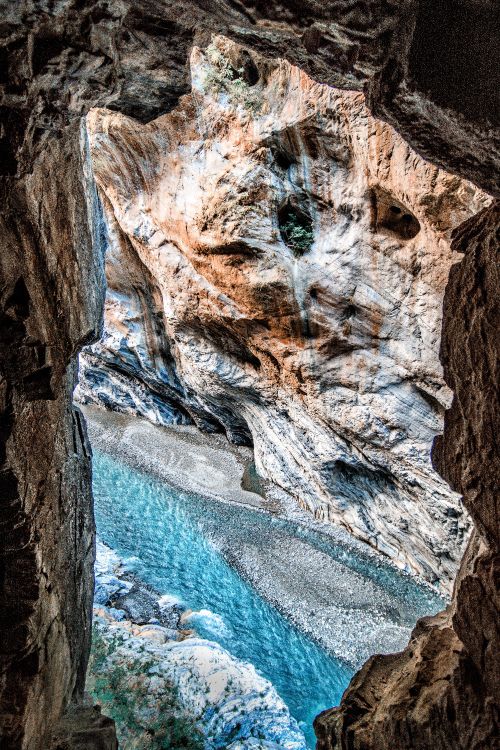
<point x="243" y="66"/>
<point x="349" y="312"/>
<point x="250" y="72"/>
<point x="251" y="481"/>
<point x="392" y="216"/>
<point x="296" y="228"/>
<point x="283" y="159"/>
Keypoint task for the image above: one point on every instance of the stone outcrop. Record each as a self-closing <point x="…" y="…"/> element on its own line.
<point x="419" y="62"/>
<point x="276" y="265"/>
<point x="184" y="691"/>
<point x="83" y="727"/>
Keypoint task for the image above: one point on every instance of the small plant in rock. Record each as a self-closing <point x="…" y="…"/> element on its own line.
<point x="296" y="230"/>
<point x="222" y="76"/>
<point x="145" y="719"/>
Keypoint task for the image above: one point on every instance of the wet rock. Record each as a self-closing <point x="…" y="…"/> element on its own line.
<point x="129" y="597"/>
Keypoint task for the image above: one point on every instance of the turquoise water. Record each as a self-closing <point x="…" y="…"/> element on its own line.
<point x="170" y="535"/>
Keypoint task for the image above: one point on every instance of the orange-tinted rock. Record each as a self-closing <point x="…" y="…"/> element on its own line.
<point x="293" y="251"/>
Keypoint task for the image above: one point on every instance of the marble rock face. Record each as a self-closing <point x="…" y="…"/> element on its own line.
<point x="276" y="266"/>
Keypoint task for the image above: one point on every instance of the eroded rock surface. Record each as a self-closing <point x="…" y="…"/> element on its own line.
<point x="442" y="690"/>
<point x="46" y="515"/>
<point x="184" y="691"/>
<point x="276" y="266"/>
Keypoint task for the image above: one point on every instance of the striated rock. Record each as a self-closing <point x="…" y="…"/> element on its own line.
<point x="47" y="526"/>
<point x="167" y="683"/>
<point x="442" y="691"/>
<point x="276" y="265"/>
<point x="192" y="689"/>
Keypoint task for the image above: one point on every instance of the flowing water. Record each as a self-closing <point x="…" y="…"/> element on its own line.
<point x="170" y="536"/>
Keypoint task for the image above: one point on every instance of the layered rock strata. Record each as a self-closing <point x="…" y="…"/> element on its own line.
<point x="276" y="265"/>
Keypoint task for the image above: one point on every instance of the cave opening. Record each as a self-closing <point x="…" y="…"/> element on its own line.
<point x="186" y="402"/>
<point x="296" y="228"/>
<point x="393" y="216"/>
<point x="222" y="382"/>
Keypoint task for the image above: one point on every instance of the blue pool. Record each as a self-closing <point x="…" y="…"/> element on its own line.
<point x="169" y="534"/>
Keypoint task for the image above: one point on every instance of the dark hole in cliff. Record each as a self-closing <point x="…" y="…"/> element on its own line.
<point x="296" y="228"/>
<point x="243" y="66"/>
<point x="283" y="159"/>
<point x="250" y="71"/>
<point x="392" y="216"/>
<point x="349" y="312"/>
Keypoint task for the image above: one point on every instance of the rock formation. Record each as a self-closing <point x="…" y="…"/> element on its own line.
<point x="426" y="67"/>
<point x="182" y="691"/>
<point x="46" y="506"/>
<point x="442" y="690"/>
<point x="276" y="265"/>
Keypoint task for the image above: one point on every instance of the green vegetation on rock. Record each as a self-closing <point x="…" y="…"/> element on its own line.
<point x="143" y="704"/>
<point x="296" y="231"/>
<point x="222" y="76"/>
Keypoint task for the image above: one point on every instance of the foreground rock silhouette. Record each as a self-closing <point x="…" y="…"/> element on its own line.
<point x="58" y="61"/>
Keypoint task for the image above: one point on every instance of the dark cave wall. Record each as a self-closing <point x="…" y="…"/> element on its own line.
<point x="56" y="61"/>
<point x="51" y="302"/>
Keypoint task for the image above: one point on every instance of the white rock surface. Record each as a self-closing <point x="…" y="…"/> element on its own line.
<point x="224" y="698"/>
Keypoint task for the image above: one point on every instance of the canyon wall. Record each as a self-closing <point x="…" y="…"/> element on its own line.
<point x="425" y="67"/>
<point x="46" y="519"/>
<point x="276" y="265"/>
<point x="442" y="690"/>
